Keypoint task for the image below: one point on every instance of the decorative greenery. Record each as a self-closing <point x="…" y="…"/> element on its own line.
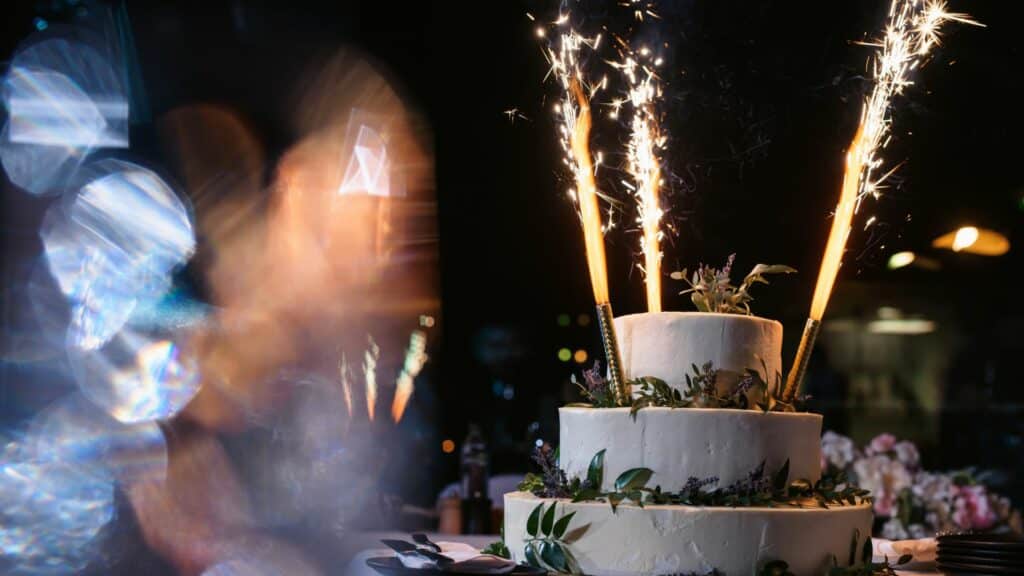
<point x="650" y="391"/>
<point x="711" y="289"/>
<point x="498" y="547"/>
<point x="701" y="391"/>
<point x="547" y="546"/>
<point x="596" y="388"/>
<point x="757" y="489"/>
<point x="552" y="481"/>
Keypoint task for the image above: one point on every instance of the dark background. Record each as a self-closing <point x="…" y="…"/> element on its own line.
<point x="762" y="98"/>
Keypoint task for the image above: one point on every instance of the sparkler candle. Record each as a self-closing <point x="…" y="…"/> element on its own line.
<point x="911" y="31"/>
<point x="590" y="212"/>
<point x="644" y="166"/>
<point x="575" y="122"/>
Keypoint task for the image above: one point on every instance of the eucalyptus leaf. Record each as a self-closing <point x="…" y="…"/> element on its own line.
<point x="771" y="269"/>
<point x="551" y="554"/>
<point x="595" y="472"/>
<point x="867" y="551"/>
<point x="533" y="522"/>
<point x="532" y="558"/>
<point x="782" y="477"/>
<point x="547" y="523"/>
<point x="853" y="547"/>
<point x="561" y="525"/>
<point x="904" y="559"/>
<point x="633" y="479"/>
<point x="614" y="498"/>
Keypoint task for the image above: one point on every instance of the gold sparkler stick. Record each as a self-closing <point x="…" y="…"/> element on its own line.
<point x="586" y="193"/>
<point x="911" y="31"/>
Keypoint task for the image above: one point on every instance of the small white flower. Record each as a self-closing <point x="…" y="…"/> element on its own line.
<point x="907" y="453"/>
<point x="837" y="450"/>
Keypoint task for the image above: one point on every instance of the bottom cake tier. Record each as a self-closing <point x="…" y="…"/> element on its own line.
<point x="661" y="540"/>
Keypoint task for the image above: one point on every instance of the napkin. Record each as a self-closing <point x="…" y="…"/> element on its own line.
<point x="923" y="551"/>
<point x="465" y="559"/>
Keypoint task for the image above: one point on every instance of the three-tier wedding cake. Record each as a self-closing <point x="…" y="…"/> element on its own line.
<point x="690" y="490"/>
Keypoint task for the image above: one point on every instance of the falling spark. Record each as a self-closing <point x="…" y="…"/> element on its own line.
<point x="574" y="121"/>
<point x="912" y="30"/>
<point x="513" y="113"/>
<point x="644" y="163"/>
<point x="415" y="358"/>
<point x="370" y="374"/>
<point x="346" y="383"/>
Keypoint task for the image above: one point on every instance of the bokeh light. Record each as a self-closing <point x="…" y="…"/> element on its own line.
<point x="51" y="517"/>
<point x="115" y="242"/>
<point x="580" y="356"/>
<point x="137" y="377"/>
<point x="63" y="99"/>
<point x="76" y="432"/>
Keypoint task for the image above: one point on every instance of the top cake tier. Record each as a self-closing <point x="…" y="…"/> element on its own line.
<point x="666" y="344"/>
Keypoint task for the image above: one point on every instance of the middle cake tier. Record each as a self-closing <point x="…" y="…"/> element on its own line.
<point x="679" y="443"/>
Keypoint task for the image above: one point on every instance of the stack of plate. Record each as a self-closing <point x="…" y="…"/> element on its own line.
<point x="988" y="554"/>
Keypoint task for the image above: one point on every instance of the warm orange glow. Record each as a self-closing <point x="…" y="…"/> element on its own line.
<point x="415" y="358"/>
<point x="840" y="227"/>
<point x="965" y="238"/>
<point x="580" y="356"/>
<point x="448" y="446"/>
<point x="974" y="240"/>
<point x="586" y="196"/>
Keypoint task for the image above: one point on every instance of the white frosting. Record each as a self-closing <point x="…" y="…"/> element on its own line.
<point x="666" y="345"/>
<point x="671" y="539"/>
<point x="683" y="442"/>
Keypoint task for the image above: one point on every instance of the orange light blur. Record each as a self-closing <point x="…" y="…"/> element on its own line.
<point x="841" y="223"/>
<point x="586" y="195"/>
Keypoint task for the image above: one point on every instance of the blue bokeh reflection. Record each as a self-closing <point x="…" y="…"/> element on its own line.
<point x="115" y="242"/>
<point x="137" y="377"/>
<point x="52" y="515"/>
<point x="75" y="432"/>
<point x="63" y="100"/>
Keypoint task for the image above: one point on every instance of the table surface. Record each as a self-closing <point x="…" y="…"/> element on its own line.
<point x="367" y="545"/>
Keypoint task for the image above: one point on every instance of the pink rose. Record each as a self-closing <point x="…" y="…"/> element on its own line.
<point x="972" y="510"/>
<point x="907" y="453"/>
<point x="884" y="505"/>
<point x="881" y="444"/>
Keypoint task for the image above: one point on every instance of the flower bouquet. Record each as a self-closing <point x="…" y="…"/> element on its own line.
<point x="910" y="502"/>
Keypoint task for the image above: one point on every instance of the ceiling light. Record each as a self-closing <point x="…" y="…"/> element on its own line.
<point x="974" y="240"/>
<point x="909" y="326"/>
